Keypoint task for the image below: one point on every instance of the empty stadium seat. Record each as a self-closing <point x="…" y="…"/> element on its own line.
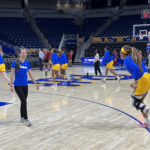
<point x="90" y="52"/>
<point x="91" y="25"/>
<point x="124" y="26"/>
<point x="54" y="28"/>
<point x="17" y="31"/>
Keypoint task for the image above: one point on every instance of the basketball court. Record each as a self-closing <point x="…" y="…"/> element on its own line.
<point x="84" y="115"/>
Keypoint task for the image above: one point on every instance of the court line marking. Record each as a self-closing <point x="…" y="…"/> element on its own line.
<point x="148" y="129"/>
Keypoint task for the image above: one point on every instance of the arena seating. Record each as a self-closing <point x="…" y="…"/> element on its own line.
<point x="90" y="52"/>
<point x="32" y="58"/>
<point x="123" y="26"/>
<point x="17" y="31"/>
<point x="54" y="28"/>
<point x="90" y="25"/>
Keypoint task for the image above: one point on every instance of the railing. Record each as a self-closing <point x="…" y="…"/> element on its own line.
<point x="61" y="42"/>
<point x="7" y="44"/>
<point x="71" y="36"/>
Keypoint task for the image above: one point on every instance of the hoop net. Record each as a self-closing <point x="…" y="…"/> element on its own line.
<point x="141" y="36"/>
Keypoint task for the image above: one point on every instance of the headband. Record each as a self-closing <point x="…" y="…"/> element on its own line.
<point x="123" y="51"/>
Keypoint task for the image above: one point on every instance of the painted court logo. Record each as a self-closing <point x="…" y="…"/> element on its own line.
<point x="79" y="80"/>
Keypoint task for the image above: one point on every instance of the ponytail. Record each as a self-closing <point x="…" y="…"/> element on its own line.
<point x="18" y="59"/>
<point x="18" y="63"/>
<point x="136" y="58"/>
<point x="132" y="51"/>
<point x="55" y="50"/>
<point x="1" y="51"/>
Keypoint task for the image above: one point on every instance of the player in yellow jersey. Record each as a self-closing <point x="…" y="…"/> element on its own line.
<point x="2" y="67"/>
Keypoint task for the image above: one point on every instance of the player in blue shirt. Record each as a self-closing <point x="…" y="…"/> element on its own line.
<point x="2" y="67"/>
<point x="20" y="67"/>
<point x="141" y="83"/>
<point x="109" y="57"/>
<point x="63" y="62"/>
<point x="56" y="66"/>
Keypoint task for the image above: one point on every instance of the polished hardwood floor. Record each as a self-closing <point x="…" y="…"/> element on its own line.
<point x="84" y="115"/>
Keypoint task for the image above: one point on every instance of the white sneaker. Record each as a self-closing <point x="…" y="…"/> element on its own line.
<point x="21" y="120"/>
<point x="54" y="85"/>
<point x="68" y="76"/>
<point x="27" y="122"/>
<point x="119" y="79"/>
<point x="104" y="80"/>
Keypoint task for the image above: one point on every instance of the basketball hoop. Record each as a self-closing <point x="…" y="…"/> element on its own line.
<point x="141" y="36"/>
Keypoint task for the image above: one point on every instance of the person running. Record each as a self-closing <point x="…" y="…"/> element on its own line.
<point x="63" y="62"/>
<point x="97" y="63"/>
<point x="56" y="67"/>
<point x="20" y="67"/>
<point x="50" y="59"/>
<point x="141" y="83"/>
<point x="116" y="58"/>
<point x="109" y="56"/>
<point x="2" y="67"/>
<point x="70" y="54"/>
<point x="46" y="54"/>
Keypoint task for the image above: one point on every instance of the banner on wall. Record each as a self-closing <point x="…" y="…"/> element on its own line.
<point x="90" y="61"/>
<point x="103" y="38"/>
<point x="112" y="39"/>
<point x="127" y="39"/>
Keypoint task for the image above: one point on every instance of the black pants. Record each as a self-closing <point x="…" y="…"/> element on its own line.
<point x="22" y="92"/>
<point x="96" y="66"/>
<point x="40" y="64"/>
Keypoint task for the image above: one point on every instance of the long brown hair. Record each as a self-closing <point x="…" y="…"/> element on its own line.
<point x="132" y="51"/>
<point x="18" y="59"/>
<point x="1" y="51"/>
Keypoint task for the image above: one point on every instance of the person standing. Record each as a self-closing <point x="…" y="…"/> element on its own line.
<point x="97" y="63"/>
<point x="70" y="54"/>
<point x="41" y="57"/>
<point x="115" y="60"/>
<point x="2" y="67"/>
<point x="110" y="56"/>
<point x="20" y="67"/>
<point x="46" y="63"/>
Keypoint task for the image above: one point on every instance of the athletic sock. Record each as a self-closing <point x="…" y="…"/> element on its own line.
<point x="55" y="83"/>
<point x="117" y="77"/>
<point x="147" y="120"/>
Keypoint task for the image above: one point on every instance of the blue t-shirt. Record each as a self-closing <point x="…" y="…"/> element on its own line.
<point x="55" y="59"/>
<point x="133" y="68"/>
<point x="1" y="59"/>
<point x="21" y="75"/>
<point x="63" y="59"/>
<point x="109" y="57"/>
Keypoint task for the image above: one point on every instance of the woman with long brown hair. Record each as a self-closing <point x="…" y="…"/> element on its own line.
<point x="20" y="67"/>
<point x="2" y="67"/>
<point x="141" y="83"/>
